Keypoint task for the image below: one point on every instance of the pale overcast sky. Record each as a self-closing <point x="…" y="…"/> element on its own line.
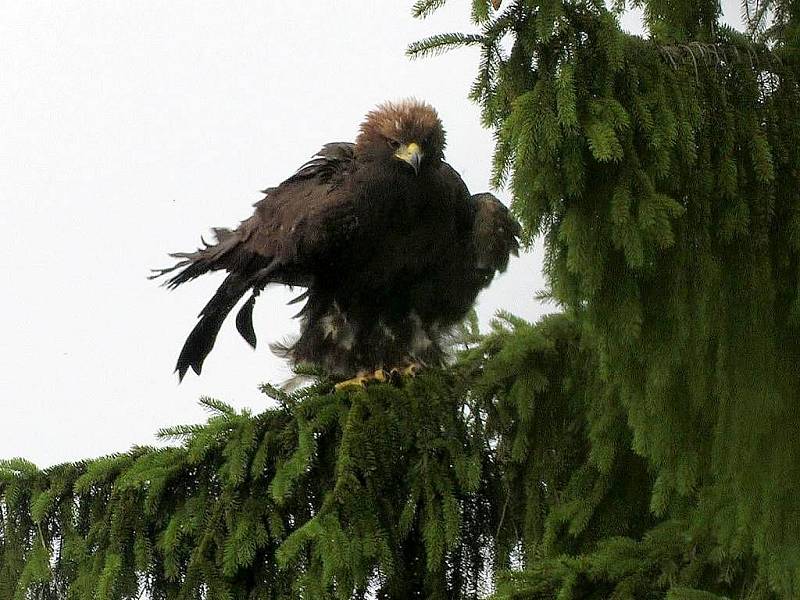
<point x="127" y="129"/>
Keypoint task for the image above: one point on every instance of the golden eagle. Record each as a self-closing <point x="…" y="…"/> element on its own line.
<point x="384" y="236"/>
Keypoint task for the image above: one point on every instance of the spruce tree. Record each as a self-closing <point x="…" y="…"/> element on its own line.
<point x="663" y="176"/>
<point x="643" y="443"/>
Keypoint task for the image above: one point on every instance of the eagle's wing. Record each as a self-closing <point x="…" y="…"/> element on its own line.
<point x="282" y="228"/>
<point x="296" y="223"/>
<point x="495" y="234"/>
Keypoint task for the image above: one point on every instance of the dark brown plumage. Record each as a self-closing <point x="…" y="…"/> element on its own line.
<point x="383" y="234"/>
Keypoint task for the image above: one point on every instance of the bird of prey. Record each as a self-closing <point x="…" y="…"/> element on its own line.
<point x="383" y="234"/>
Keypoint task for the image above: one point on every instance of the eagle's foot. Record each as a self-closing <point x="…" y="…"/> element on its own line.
<point x="397" y="374"/>
<point x="362" y="380"/>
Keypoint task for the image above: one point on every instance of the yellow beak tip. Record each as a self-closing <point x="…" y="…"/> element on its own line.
<point x="410" y="153"/>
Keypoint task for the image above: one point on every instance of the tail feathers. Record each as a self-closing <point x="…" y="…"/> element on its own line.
<point x="201" y="339"/>
<point x="244" y="320"/>
<point x="210" y="257"/>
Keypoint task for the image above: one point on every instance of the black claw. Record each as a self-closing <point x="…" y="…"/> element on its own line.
<point x="396" y="377"/>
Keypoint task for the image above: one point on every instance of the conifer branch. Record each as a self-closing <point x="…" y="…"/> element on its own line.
<point x="424" y="8"/>
<point x="441" y="43"/>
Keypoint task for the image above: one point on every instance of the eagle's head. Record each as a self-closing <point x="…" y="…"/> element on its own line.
<point x="409" y="131"/>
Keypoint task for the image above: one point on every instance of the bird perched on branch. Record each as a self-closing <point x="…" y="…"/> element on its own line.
<point x="384" y="236"/>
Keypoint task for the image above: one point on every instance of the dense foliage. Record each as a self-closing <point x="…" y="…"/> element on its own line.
<point x="419" y="491"/>
<point x="642" y="444"/>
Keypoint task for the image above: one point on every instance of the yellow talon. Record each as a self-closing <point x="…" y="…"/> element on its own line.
<point x="354" y="382"/>
<point x="410" y="370"/>
<point x="361" y="380"/>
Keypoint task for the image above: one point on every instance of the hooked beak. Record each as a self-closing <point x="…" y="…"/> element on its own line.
<point x="410" y="153"/>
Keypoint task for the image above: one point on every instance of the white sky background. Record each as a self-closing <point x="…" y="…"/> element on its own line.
<point x="127" y="129"/>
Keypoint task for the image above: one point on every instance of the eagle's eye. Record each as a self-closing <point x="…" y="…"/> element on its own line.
<point x="393" y="144"/>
